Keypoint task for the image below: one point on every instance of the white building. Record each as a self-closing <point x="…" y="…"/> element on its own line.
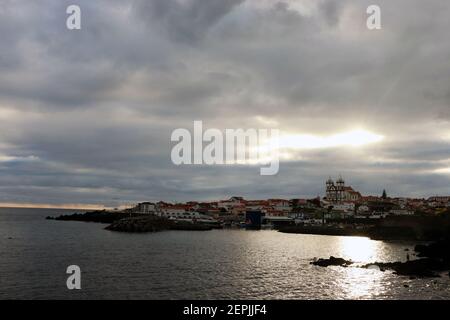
<point x="145" y="208"/>
<point x="230" y="203"/>
<point x="191" y="216"/>
<point x="172" y="210"/>
<point x="363" y="209"/>
<point x="280" y="205"/>
<point x="402" y="212"/>
<point x="345" y="206"/>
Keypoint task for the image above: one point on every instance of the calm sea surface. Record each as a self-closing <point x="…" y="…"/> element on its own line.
<point x="219" y="264"/>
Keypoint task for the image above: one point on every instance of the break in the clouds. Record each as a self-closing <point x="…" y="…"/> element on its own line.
<point x="86" y="116"/>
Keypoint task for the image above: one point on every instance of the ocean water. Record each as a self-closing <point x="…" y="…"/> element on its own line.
<point x="218" y="264"/>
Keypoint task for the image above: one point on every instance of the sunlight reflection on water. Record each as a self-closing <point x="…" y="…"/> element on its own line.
<point x="360" y="283"/>
<point x="359" y="249"/>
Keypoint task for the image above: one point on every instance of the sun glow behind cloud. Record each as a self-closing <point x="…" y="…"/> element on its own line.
<point x="442" y="171"/>
<point x="356" y="138"/>
<point x="285" y="146"/>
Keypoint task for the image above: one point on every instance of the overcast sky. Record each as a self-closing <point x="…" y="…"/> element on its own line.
<point x="86" y="116"/>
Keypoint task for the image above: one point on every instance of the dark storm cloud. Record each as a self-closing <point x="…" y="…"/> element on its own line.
<point x="331" y="11"/>
<point x="87" y="115"/>
<point x="185" y="21"/>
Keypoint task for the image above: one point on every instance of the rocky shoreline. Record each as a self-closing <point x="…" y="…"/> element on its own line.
<point x="126" y="222"/>
<point x="434" y="259"/>
<point x="372" y="232"/>
<point x="99" y="216"/>
<point x="139" y="224"/>
<point x="153" y="224"/>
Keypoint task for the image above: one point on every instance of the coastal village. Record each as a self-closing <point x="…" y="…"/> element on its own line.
<point x="340" y="203"/>
<point x="343" y="211"/>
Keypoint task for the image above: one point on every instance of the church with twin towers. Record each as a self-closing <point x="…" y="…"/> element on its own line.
<point x="338" y="192"/>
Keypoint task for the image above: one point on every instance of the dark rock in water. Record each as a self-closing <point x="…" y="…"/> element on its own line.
<point x="406" y="249"/>
<point x="406" y="285"/>
<point x="435" y="260"/>
<point x="438" y="250"/>
<point x="332" y="261"/>
<point x="415" y="268"/>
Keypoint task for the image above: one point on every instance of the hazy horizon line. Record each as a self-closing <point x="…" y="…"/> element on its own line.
<point x="52" y="206"/>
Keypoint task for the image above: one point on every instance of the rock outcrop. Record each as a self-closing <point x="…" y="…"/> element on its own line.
<point x="421" y="268"/>
<point x="332" y="261"/>
<point x="100" y="216"/>
<point x="435" y="259"/>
